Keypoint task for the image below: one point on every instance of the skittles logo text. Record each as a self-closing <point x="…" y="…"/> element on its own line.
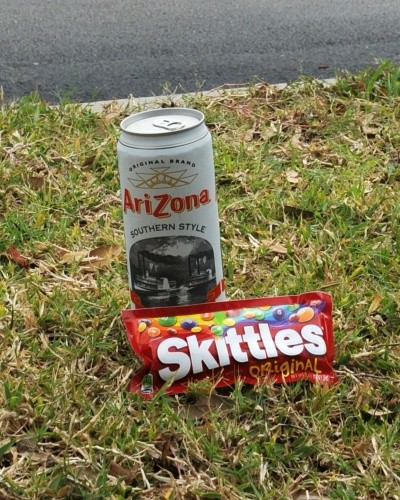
<point x="181" y="356"/>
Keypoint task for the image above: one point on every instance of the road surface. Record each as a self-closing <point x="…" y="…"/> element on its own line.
<point x="96" y="49"/>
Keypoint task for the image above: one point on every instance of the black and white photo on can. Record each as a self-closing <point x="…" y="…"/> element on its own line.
<point x="170" y="208"/>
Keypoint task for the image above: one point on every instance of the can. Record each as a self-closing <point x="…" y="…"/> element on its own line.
<point x="170" y="211"/>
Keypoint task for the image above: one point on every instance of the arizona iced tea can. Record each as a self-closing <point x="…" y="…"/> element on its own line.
<point x="170" y="208"/>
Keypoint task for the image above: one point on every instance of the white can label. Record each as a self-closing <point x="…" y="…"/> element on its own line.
<point x="171" y="226"/>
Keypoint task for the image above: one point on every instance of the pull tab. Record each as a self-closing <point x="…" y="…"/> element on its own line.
<point x="168" y="124"/>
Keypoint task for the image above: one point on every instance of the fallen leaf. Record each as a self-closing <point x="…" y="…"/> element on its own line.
<point x="105" y="251"/>
<point x="89" y="161"/>
<point x="27" y="445"/>
<point x="167" y="493"/>
<point x="292" y="176"/>
<point x="270" y="132"/>
<point x="35" y="182"/>
<point x="64" y="491"/>
<point x="16" y="257"/>
<point x="277" y="248"/>
<point x="296" y="142"/>
<point x="85" y="473"/>
<point x="253" y="134"/>
<point x="68" y="257"/>
<point x="117" y="470"/>
<point x="376" y="302"/>
<point x="30" y="320"/>
<point x="370" y="130"/>
<point x="101" y="257"/>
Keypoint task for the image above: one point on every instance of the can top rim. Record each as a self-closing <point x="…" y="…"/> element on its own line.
<point x="162" y="121"/>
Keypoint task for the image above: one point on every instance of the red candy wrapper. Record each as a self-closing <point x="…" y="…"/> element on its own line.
<point x="281" y="339"/>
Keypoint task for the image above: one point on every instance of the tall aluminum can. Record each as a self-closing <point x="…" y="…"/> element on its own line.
<point x="170" y="211"/>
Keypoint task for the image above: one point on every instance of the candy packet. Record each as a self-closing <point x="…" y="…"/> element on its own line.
<point x="278" y="339"/>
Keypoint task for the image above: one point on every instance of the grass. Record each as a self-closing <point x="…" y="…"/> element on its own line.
<point x="308" y="180"/>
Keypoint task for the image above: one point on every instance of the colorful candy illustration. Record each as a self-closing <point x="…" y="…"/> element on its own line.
<point x="218" y="323"/>
<point x="167" y="320"/>
<point x="153" y="331"/>
<point x="188" y="324"/>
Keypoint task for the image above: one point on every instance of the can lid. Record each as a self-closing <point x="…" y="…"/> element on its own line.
<point x="162" y="121"/>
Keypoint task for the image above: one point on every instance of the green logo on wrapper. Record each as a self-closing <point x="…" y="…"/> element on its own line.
<point x="147" y="384"/>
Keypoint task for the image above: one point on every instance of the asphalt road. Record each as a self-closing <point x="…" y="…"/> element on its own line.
<point x="98" y="49"/>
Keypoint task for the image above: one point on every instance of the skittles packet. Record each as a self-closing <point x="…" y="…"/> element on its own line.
<point x="281" y="339"/>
